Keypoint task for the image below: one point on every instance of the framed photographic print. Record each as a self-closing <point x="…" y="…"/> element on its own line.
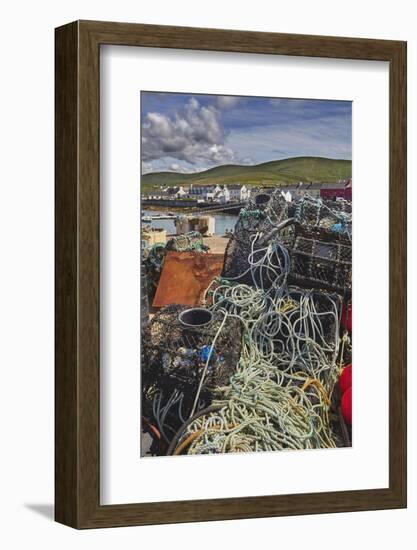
<point x="230" y="274"/>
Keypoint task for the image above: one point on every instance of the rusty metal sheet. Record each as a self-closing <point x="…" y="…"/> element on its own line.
<point x="185" y="276"/>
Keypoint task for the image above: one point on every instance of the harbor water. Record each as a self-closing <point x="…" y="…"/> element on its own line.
<point x="224" y="222"/>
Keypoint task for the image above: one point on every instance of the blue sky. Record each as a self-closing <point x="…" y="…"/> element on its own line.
<point x="193" y="132"/>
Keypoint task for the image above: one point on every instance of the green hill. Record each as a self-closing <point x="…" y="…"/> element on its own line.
<point x="275" y="172"/>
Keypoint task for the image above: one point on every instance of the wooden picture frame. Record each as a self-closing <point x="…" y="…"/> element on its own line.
<point x="77" y="408"/>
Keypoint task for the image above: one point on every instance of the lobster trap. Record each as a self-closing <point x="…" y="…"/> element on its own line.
<point x="321" y="262"/>
<point x="325" y="216"/>
<point x="177" y="346"/>
<point x="321" y="254"/>
<point x="187" y="242"/>
<point x="262" y="222"/>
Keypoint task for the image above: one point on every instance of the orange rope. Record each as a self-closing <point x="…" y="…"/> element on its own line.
<point x="153" y="428"/>
<point x="315" y="382"/>
<point x="187" y="442"/>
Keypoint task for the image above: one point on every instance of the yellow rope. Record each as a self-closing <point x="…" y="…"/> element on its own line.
<point x="315" y="382"/>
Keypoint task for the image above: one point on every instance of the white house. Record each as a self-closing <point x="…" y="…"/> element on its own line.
<point x="238" y="193"/>
<point x="222" y="194"/>
<point x="181" y="193"/>
<point x="218" y="193"/>
<point x="201" y="191"/>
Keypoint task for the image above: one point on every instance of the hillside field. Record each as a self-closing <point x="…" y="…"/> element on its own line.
<point x="277" y="172"/>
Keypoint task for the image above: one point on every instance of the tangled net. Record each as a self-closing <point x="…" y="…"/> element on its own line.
<point x="263" y="221"/>
<point x="260" y="417"/>
<point x="280" y="395"/>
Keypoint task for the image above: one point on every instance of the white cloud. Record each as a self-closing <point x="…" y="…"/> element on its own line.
<point x="224" y="102"/>
<point x="194" y="135"/>
<point x="194" y="138"/>
<point x="147" y="167"/>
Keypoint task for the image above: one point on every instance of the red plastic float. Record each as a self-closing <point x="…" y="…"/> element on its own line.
<point x="347" y="317"/>
<point x="345" y="380"/>
<point x="346" y="405"/>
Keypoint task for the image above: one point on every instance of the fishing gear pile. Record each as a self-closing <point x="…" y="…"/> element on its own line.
<point x="256" y="368"/>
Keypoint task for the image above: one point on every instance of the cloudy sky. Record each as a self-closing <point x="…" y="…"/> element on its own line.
<point x="193" y="132"/>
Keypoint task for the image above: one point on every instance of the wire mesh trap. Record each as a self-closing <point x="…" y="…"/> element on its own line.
<point x="321" y="254"/>
<point x="262" y="222"/>
<point x="193" y="240"/>
<point x="321" y="263"/>
<point x="178" y="347"/>
<point x="330" y="216"/>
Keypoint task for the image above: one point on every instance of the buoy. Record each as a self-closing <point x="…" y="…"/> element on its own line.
<point x="346" y="405"/>
<point x="345" y="379"/>
<point x="347" y="317"/>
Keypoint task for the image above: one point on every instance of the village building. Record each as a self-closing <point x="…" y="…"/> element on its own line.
<point x="239" y="193"/>
<point x="200" y="191"/>
<point x="181" y="192"/>
<point x="222" y="194"/>
<point x="339" y="190"/>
